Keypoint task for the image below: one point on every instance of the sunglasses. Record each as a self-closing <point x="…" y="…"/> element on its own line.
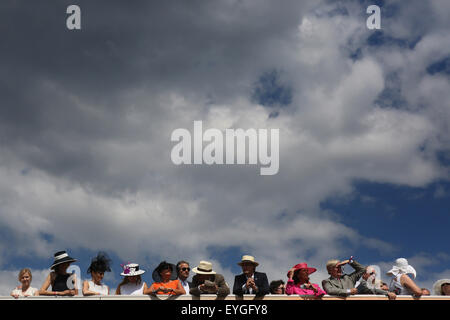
<point x="185" y="269"/>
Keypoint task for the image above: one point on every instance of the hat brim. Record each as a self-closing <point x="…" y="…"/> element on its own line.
<point x="248" y="261"/>
<point x="157" y="278"/>
<point x="437" y="286"/>
<point x="63" y="260"/>
<point x="195" y="270"/>
<point x="137" y="273"/>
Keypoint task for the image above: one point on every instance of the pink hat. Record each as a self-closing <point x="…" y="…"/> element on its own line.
<point x="304" y="265"/>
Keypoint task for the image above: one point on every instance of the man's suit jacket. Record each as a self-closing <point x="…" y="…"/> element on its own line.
<point x="218" y="279"/>
<point x="261" y="283"/>
<point x="363" y="288"/>
<point x="338" y="287"/>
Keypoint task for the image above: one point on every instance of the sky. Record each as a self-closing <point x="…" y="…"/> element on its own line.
<point x="86" y="118"/>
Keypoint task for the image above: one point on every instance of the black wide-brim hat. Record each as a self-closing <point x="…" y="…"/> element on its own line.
<point x="157" y="278"/>
<point x="61" y="257"/>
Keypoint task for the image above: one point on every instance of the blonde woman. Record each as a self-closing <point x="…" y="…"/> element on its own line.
<point x="25" y="289"/>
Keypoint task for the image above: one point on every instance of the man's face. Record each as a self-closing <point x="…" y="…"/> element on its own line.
<point x="248" y="268"/>
<point x="183" y="271"/>
<point x="335" y="272"/>
<point x="202" y="277"/>
<point x="370" y="274"/>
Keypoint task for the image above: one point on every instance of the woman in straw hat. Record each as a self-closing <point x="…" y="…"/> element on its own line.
<point x="63" y="283"/>
<point x="99" y="265"/>
<point x="442" y="287"/>
<point x="166" y="282"/>
<point x="132" y="283"/>
<point x="298" y="281"/>
<point x="401" y="282"/>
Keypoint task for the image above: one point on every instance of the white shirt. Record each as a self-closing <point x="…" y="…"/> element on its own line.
<point x="250" y="289"/>
<point x="185" y="285"/>
<point x="132" y="289"/>
<point x="29" y="292"/>
<point x="102" y="289"/>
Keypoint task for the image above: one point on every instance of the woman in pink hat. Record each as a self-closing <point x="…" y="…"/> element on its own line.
<point x="298" y="281"/>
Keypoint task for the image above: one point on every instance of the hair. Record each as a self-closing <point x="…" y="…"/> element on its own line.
<point x="370" y="268"/>
<point x="163" y="266"/>
<point x="331" y="263"/>
<point x="179" y="263"/>
<point x="23" y="271"/>
<point x="274" y="285"/>
<point x="101" y="263"/>
<point x="126" y="280"/>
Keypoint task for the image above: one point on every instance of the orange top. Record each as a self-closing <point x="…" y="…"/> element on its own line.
<point x="171" y="284"/>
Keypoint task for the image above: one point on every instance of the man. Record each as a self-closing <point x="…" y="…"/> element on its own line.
<point x="183" y="274"/>
<point x="367" y="284"/>
<point x="340" y="284"/>
<point x="207" y="281"/>
<point x="250" y="281"/>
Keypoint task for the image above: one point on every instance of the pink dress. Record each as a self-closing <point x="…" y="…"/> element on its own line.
<point x="292" y="288"/>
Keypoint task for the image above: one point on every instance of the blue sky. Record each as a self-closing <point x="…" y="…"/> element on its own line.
<point x="87" y="115"/>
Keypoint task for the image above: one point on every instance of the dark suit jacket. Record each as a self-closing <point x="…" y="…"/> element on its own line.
<point x="218" y="279"/>
<point x="261" y="283"/>
<point x="363" y="288"/>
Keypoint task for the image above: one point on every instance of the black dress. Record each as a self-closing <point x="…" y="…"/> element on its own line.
<point x="60" y="283"/>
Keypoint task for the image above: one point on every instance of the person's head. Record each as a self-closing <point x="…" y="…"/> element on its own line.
<point x="131" y="273"/>
<point x="302" y="272"/>
<point x="445" y="289"/>
<point x="370" y="274"/>
<point x="99" y="265"/>
<point x="425" y="292"/>
<point x="164" y="269"/>
<point x="61" y="262"/>
<point x="204" y="271"/>
<point x="183" y="269"/>
<point x="333" y="270"/>
<point x="25" y="277"/>
<point x="277" y="287"/>
<point x="248" y="265"/>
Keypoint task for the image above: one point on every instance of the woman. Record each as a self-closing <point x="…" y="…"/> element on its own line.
<point x="401" y="283"/>
<point x="442" y="287"/>
<point x="99" y="265"/>
<point x="25" y="290"/>
<point x="298" y="281"/>
<point x="166" y="281"/>
<point x="132" y="282"/>
<point x="63" y="283"/>
<point x="277" y="287"/>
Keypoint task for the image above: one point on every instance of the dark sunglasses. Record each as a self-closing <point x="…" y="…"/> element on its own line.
<point x="185" y="269"/>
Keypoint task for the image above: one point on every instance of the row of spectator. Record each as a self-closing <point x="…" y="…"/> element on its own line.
<point x="170" y="279"/>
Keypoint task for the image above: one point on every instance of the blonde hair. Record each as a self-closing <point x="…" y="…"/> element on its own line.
<point x="331" y="263"/>
<point x="23" y="271"/>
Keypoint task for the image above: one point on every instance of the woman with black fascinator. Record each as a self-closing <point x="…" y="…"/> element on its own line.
<point x="99" y="265"/>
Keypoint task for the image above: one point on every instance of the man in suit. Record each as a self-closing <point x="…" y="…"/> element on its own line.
<point x="367" y="284"/>
<point x="340" y="284"/>
<point x="207" y="281"/>
<point x="250" y="281"/>
<point x="183" y="275"/>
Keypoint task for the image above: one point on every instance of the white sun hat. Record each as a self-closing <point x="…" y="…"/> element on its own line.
<point x="437" y="286"/>
<point x="401" y="266"/>
<point x="131" y="269"/>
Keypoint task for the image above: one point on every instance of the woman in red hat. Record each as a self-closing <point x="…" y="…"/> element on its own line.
<point x="298" y="281"/>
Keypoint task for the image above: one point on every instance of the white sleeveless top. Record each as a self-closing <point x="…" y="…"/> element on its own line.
<point x="132" y="289"/>
<point x="29" y="292"/>
<point x="396" y="287"/>
<point x="102" y="289"/>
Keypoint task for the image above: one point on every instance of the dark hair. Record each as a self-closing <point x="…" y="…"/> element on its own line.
<point x="275" y="284"/>
<point x="100" y="263"/>
<point x="179" y="263"/>
<point x="163" y="266"/>
<point x="295" y="276"/>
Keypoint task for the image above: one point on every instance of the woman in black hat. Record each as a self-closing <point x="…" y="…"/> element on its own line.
<point x="99" y="265"/>
<point x="166" y="282"/>
<point x="63" y="283"/>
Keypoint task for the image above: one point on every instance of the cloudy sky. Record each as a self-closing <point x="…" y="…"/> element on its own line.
<point x="86" y="118"/>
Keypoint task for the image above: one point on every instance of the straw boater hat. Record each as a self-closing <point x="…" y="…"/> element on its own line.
<point x="61" y="257"/>
<point x="437" y="286"/>
<point x="131" y="269"/>
<point x="204" y="267"/>
<point x="250" y="259"/>
<point x="401" y="266"/>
